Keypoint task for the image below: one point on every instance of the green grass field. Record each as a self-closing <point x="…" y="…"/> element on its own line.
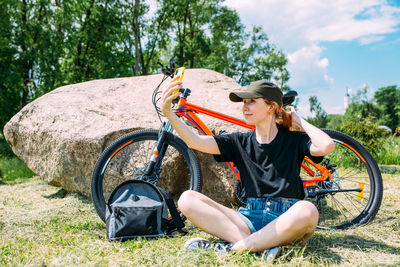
<point x="42" y="225"/>
<point x="13" y="170"/>
<point x="390" y="152"/>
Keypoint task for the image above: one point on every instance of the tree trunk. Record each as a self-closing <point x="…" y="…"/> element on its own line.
<point x="191" y="32"/>
<point x="80" y="60"/>
<point x="137" y="32"/>
<point x="24" y="93"/>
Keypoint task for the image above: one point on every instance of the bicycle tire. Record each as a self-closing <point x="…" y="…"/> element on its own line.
<point x="127" y="157"/>
<point x="354" y="166"/>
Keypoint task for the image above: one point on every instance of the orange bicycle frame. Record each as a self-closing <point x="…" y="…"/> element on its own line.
<point x="188" y="111"/>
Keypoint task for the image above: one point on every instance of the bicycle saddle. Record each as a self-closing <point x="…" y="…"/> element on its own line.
<point x="288" y="97"/>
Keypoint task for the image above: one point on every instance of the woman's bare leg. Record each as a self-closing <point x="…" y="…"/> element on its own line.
<point x="213" y="217"/>
<point x="298" y="223"/>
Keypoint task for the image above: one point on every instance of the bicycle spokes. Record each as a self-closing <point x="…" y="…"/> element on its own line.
<point x="343" y="196"/>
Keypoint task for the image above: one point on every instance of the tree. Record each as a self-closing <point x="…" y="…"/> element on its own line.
<point x="9" y="81"/>
<point x="388" y="102"/>
<point x="45" y="44"/>
<point x="94" y="50"/>
<point x="31" y="36"/>
<point x="145" y="39"/>
<point x="226" y="28"/>
<point x="320" y="118"/>
<point x="189" y="24"/>
<point x="137" y="37"/>
<point x="208" y="35"/>
<point x="361" y="106"/>
<point x="258" y="60"/>
<point x="334" y="121"/>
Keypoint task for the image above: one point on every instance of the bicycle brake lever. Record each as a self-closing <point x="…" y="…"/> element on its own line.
<point x="172" y="64"/>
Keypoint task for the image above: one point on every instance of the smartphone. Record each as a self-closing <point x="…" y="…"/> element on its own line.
<point x="179" y="72"/>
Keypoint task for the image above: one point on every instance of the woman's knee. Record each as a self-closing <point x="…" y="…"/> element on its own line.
<point x="187" y="200"/>
<point x="305" y="214"/>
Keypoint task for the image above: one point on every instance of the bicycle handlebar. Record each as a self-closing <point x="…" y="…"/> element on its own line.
<point x="168" y="70"/>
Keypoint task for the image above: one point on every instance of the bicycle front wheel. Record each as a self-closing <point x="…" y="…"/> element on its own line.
<point x="356" y="185"/>
<point x="127" y="158"/>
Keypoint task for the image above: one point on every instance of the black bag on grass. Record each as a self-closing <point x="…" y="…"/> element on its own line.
<point x="140" y="209"/>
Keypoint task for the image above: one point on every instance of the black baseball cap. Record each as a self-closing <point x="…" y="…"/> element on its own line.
<point x="259" y="89"/>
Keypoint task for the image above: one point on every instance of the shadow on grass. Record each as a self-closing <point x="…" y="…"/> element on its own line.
<point x="382" y="220"/>
<point x="322" y="247"/>
<point x="62" y="193"/>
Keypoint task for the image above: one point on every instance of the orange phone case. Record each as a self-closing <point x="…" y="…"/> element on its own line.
<point x="179" y="72"/>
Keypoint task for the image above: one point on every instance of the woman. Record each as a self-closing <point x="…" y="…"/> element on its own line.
<point x="269" y="160"/>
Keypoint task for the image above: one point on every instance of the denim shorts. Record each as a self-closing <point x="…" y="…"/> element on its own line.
<point x="261" y="211"/>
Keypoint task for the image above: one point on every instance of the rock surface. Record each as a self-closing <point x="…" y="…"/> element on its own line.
<point x="61" y="135"/>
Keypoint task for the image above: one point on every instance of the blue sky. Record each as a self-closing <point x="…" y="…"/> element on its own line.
<point x="331" y="45"/>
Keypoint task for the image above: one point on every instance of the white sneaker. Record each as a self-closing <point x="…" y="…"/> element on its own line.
<point x="271" y="254"/>
<point x="221" y="247"/>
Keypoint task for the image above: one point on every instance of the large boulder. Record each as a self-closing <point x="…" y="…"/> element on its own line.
<point x="61" y="135"/>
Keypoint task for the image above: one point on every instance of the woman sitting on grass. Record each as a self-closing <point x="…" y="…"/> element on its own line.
<point x="269" y="160"/>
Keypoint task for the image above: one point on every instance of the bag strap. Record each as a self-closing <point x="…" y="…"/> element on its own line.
<point x="176" y="218"/>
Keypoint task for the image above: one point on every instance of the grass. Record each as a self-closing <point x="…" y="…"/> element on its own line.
<point x="12" y="169"/>
<point x="45" y="225"/>
<point x="390" y="152"/>
<point x="5" y="150"/>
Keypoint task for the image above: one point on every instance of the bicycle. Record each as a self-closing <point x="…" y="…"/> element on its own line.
<point x="346" y="186"/>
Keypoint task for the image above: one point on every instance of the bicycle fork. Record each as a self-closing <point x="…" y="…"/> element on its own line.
<point x="159" y="151"/>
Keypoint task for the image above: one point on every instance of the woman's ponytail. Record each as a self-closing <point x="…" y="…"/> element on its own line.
<point x="283" y="118"/>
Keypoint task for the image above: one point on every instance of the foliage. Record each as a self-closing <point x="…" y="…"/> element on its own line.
<point x="9" y="100"/>
<point x="334" y="121"/>
<point x="320" y="118"/>
<point x="361" y="106"/>
<point x="385" y="106"/>
<point x="366" y="131"/>
<point x="388" y="101"/>
<point x="46" y="44"/>
<point x="5" y="150"/>
<point x="208" y="35"/>
<point x="258" y="60"/>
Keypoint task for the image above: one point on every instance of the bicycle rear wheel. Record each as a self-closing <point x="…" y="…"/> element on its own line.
<point x="127" y="158"/>
<point x="352" y="167"/>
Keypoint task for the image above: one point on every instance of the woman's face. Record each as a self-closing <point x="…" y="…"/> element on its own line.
<point x="256" y="110"/>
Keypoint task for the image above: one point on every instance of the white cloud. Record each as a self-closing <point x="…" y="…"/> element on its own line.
<point x="290" y="22"/>
<point x="328" y="79"/>
<point x="371" y="39"/>
<point x="323" y="63"/>
<point x="299" y="27"/>
<point x="308" y="69"/>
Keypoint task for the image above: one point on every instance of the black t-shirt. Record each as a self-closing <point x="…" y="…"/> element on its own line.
<point x="267" y="170"/>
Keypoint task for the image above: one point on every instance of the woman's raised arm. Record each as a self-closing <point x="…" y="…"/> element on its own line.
<point x="321" y="143"/>
<point x="203" y="143"/>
